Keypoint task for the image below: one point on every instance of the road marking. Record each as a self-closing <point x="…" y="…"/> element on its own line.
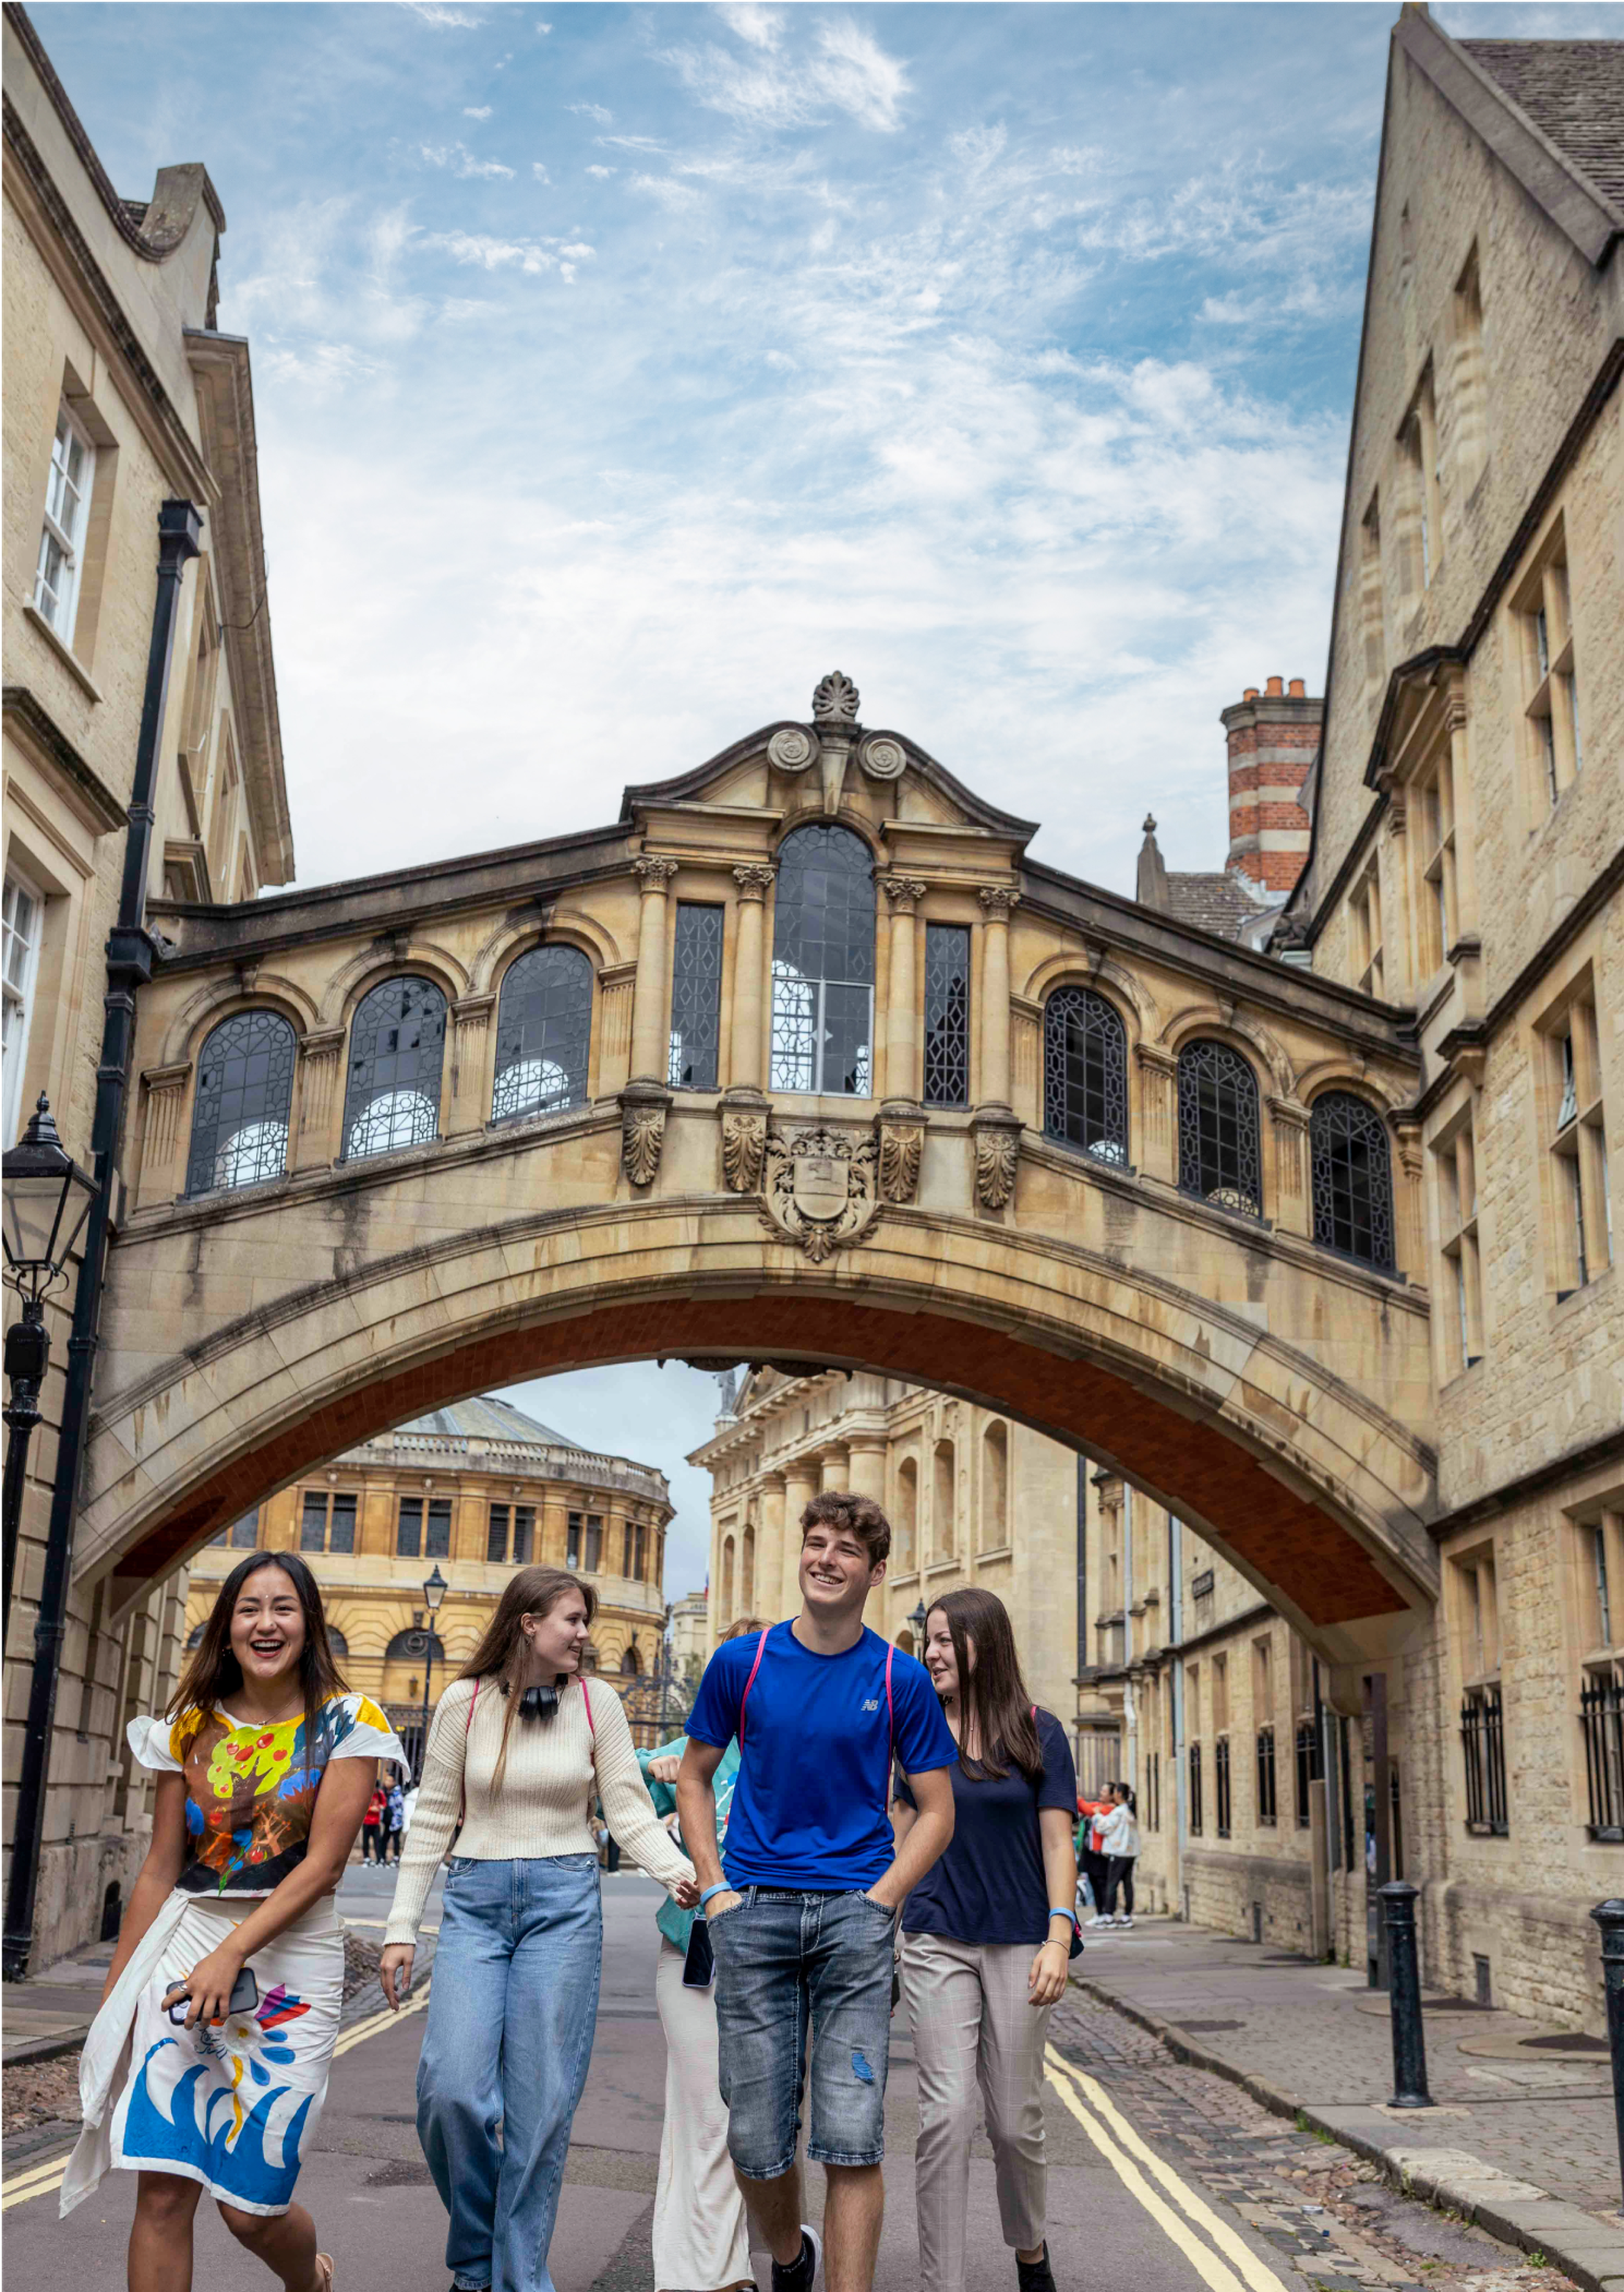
<point x="1260" y="2278"/>
<point x="1213" y="2272"/>
<point x="40" y="2180"/>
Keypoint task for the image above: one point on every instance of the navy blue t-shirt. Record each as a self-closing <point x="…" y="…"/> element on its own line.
<point x="810" y="1808"/>
<point x="990" y="1886"/>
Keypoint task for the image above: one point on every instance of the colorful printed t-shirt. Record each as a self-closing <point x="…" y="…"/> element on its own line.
<point x="251" y="1791"/>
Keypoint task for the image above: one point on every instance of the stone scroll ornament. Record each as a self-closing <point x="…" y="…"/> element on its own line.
<point x="743" y="1148"/>
<point x="901" y="1147"/>
<point x="882" y="757"/>
<point x="642" y="1137"/>
<point x="791" y="749"/>
<point x="996" y="1153"/>
<point x="820" y="1190"/>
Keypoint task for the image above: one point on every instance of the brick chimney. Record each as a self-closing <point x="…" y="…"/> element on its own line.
<point x="1273" y="735"/>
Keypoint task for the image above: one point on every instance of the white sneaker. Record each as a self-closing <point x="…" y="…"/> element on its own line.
<point x="1124" y="1922"/>
<point x="1098" y="1921"/>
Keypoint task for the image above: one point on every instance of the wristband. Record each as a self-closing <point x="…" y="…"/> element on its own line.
<point x="1066" y="1914"/>
<point x="722" y="1887"/>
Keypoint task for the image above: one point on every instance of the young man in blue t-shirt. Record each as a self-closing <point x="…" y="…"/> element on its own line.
<point x="801" y="1925"/>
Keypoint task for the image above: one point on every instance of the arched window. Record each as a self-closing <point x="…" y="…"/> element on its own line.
<point x="543" y="1032"/>
<point x="1353" y="1178"/>
<point x="943" y="1526"/>
<point x="589" y="1657"/>
<point x="1218" y="1154"/>
<point x="244" y="1095"/>
<point x="1085" y="1073"/>
<point x="336" y="1641"/>
<point x="995" y="1488"/>
<point x="194" y="1638"/>
<point x="747" y="1573"/>
<point x="824" y="963"/>
<point x="906" y="1523"/>
<point x="397" y="1044"/>
<point x="413" y="1647"/>
<point x="631" y="1663"/>
<point x="726" y="1602"/>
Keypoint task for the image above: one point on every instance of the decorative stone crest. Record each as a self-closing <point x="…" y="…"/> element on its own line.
<point x="642" y="1132"/>
<point x="902" y="1146"/>
<point x="820" y="1190"/>
<point x="744" y="1147"/>
<point x="997" y="1145"/>
<point x="882" y="757"/>
<point x="791" y="749"/>
<point x="835" y="700"/>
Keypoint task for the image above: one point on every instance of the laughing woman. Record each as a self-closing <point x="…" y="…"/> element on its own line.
<point x="206" y="2067"/>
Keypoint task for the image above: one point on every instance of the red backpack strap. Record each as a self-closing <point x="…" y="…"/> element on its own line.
<point x="890" y="1708"/>
<point x="749" y="1684"/>
<point x="467" y="1732"/>
<point x="591" y="1726"/>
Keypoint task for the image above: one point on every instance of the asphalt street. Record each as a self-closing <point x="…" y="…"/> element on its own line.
<point x="1120" y="2214"/>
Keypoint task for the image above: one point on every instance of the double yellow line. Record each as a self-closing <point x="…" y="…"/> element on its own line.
<point x="43" y="2180"/>
<point x="1136" y="2165"/>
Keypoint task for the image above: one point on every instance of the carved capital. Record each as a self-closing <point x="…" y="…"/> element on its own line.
<point x="654" y="873"/>
<point x="156" y="1080"/>
<point x="998" y="1144"/>
<point x="743" y="1148"/>
<point x="321" y="1043"/>
<point x="902" y="1146"/>
<point x="642" y="1132"/>
<point x="1411" y="1155"/>
<point x="1155" y="1059"/>
<point x="472" y="1012"/>
<point x="1289" y="1113"/>
<point x="904" y="892"/>
<point x="754" y="880"/>
<point x="1000" y="900"/>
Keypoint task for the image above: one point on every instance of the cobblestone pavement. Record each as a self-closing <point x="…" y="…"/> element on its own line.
<point x="1316" y="2033"/>
<point x="1330" y="2217"/>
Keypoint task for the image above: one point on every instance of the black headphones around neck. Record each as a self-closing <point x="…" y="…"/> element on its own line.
<point x="536" y="1702"/>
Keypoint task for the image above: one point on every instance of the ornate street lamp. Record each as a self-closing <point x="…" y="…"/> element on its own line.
<point x="435" y="1588"/>
<point x="918" y="1620"/>
<point x="47" y="1200"/>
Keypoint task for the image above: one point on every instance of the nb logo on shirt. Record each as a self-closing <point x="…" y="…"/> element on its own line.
<point x="872" y="1704"/>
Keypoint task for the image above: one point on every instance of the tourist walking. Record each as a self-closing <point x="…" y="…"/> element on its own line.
<point x="802" y="1923"/>
<point x="206" y="2067"/>
<point x="371" y="1825"/>
<point x="520" y="1748"/>
<point x="1095" y="1866"/>
<point x="394" y="1820"/>
<point x="701" y="2234"/>
<point x="1120" y="1838"/>
<point x="987" y="1936"/>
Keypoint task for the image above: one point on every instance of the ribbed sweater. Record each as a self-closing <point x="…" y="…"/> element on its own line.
<point x="556" y="1768"/>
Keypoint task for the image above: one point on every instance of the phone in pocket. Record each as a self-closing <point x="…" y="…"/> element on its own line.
<point x="244" y="1999"/>
<point x="699" y="1966"/>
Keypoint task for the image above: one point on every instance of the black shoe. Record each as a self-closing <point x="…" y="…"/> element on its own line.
<point x="801" y="2274"/>
<point x="1035" y="2275"/>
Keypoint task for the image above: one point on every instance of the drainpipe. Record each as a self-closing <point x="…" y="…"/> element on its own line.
<point x="1082" y="1588"/>
<point x="1175" y="1608"/>
<point x="130" y="953"/>
<point x="1131" y="1725"/>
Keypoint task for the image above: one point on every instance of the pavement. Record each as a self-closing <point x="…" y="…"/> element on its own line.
<point x="1163" y="2176"/>
<point x="1523" y="2137"/>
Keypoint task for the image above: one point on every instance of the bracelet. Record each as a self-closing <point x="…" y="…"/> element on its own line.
<point x="722" y="1887"/>
<point x="1066" y="1914"/>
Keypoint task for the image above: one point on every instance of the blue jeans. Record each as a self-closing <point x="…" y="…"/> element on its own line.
<point x="512" y="2011"/>
<point x="789" y="1965"/>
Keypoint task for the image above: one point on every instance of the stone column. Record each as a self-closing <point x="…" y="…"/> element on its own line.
<point x="321" y="1102"/>
<point x="769" y="1551"/>
<point x="162" y="1169"/>
<point x="470" y="1025"/>
<point x="868" y="1473"/>
<point x="800" y="1480"/>
<point x="650" y="1024"/>
<point x="836" y="1468"/>
<point x="1409" y="1244"/>
<point x="996" y="1127"/>
<point x="901" y="1076"/>
<point x="749" y="977"/>
<point x="1292" y="1210"/>
<point x="552" y="1529"/>
<point x="1157" y="1153"/>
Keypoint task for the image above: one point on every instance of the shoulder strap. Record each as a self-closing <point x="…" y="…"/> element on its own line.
<point x="890" y="1708"/>
<point x="586" y="1696"/>
<point x="468" y="1729"/>
<point x="749" y="1684"/>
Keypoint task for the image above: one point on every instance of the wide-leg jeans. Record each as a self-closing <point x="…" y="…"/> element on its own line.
<point x="512" y="2012"/>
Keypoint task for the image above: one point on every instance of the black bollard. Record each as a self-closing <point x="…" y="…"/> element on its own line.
<point x="1405" y="1997"/>
<point x="1610" y="1917"/>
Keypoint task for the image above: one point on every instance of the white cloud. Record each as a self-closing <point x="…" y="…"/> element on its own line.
<point x="602" y="171"/>
<point x="594" y="111"/>
<point x="540" y="171"/>
<point x="771" y="90"/>
<point x="461" y="161"/>
<point x="459" y="20"/>
<point x="543" y="29"/>
<point x="487" y="254"/>
<point x="476" y="111"/>
<point x="762" y="26"/>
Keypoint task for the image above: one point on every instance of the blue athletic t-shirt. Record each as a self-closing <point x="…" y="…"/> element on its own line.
<point x="809" y="1807"/>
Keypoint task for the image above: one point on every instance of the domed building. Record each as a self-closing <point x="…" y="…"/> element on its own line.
<point x="468" y="1493"/>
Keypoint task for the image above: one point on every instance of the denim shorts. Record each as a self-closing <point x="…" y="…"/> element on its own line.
<point x="788" y="1964"/>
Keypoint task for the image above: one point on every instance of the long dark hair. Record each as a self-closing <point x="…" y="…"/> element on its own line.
<point x="500" y="1655"/>
<point x="994" y="1703"/>
<point x="213" y="1674"/>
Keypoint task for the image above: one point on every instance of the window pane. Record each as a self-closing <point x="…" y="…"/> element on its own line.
<point x="524" y="1530"/>
<point x="245" y="1532"/>
<point x="397" y="1044"/>
<point x="313" y="1524"/>
<point x="342" y="1538"/>
<point x="1218" y="1153"/>
<point x="572" y="1552"/>
<point x="594" y="1544"/>
<point x="1085" y="1073"/>
<point x="437" y="1543"/>
<point x="848" y="1033"/>
<point x="496" y="1537"/>
<point x="824" y="963"/>
<point x="543" y="1033"/>
<point x="696" y="997"/>
<point x="947" y="1014"/>
<point x="244" y="1095"/>
<point x="1352" y="1178"/>
<point x="408" y="1532"/>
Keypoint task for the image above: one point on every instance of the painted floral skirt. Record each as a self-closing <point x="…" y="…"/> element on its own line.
<point x="235" y="2105"/>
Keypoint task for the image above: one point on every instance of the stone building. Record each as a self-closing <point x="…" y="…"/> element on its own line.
<point x="473" y="1490"/>
<point x="121" y="395"/>
<point x="690" y="1638"/>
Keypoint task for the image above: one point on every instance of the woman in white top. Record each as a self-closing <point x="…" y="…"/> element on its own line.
<point x="1120" y="1842"/>
<point x="520" y="1748"/>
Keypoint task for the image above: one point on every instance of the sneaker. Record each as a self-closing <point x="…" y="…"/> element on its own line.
<point x="1095" y="1921"/>
<point x="1035" y="2275"/>
<point x="1124" y="1922"/>
<point x="801" y="2274"/>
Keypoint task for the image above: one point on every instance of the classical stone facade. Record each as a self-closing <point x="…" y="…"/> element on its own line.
<point x="121" y="394"/>
<point x="473" y="1490"/>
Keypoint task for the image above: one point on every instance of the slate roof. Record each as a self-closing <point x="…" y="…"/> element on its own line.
<point x="1211" y="903"/>
<point x="1574" y="93"/>
<point x="485" y="1419"/>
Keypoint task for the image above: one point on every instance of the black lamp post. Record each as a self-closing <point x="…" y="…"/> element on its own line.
<point x="918" y="1620"/>
<point x="47" y="1200"/>
<point x="435" y="1589"/>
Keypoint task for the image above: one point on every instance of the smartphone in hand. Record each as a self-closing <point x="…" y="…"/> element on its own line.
<point x="244" y="1999"/>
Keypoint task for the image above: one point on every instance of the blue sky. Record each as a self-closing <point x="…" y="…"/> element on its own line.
<point x="620" y="370"/>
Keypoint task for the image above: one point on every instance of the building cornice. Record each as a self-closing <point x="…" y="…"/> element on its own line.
<point x="32" y="725"/>
<point x="1573" y="1464"/>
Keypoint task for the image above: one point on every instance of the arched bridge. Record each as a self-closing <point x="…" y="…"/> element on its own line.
<point x="802" y="1058"/>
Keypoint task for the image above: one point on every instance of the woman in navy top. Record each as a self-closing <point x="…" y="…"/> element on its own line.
<point x="987" y="1936"/>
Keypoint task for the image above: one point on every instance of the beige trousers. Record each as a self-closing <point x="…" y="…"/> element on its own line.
<point x="973" y="2027"/>
<point x="701" y="2239"/>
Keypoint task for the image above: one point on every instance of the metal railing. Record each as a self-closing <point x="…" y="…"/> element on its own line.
<point x="523" y="1460"/>
<point x="1483" y="1744"/>
<point x="1601" y="1718"/>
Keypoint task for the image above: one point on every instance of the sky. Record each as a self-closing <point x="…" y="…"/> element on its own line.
<point x="619" y="370"/>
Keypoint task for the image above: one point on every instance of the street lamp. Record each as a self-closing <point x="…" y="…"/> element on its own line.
<point x="435" y="1588"/>
<point x="47" y="1199"/>
<point x="918" y="1620"/>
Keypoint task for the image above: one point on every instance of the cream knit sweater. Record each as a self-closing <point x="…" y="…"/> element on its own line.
<point x="556" y="1768"/>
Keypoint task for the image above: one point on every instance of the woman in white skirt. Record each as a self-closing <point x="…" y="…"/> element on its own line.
<point x="206" y="2067"/>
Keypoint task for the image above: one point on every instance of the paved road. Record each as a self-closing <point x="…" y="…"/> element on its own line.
<point x="1128" y="2202"/>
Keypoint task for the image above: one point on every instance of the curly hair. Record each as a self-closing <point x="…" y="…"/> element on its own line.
<point x="853" y="1515"/>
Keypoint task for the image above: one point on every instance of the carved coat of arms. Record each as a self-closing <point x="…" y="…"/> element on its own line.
<point x="820" y="1189"/>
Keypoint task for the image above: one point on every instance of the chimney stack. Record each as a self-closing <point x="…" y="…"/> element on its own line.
<point x="1272" y="738"/>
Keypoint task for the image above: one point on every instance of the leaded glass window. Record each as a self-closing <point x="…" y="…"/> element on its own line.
<point x="244" y="1094"/>
<point x="1085" y="1073"/>
<point x="543" y="1033"/>
<point x="1352" y="1178"/>
<point x="696" y="997"/>
<point x="947" y="1014"/>
<point x="397" y="1044"/>
<point x="824" y="963"/>
<point x="1219" y="1157"/>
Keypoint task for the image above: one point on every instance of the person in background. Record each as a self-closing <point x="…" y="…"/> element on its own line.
<point x="394" y="1820"/>
<point x="1119" y="1838"/>
<point x="701" y="2234"/>
<point x="371" y="1825"/>
<point x="1094" y="1812"/>
<point x="986" y="1938"/>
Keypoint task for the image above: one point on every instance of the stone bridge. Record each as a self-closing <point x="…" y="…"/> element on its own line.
<point x="803" y="1058"/>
